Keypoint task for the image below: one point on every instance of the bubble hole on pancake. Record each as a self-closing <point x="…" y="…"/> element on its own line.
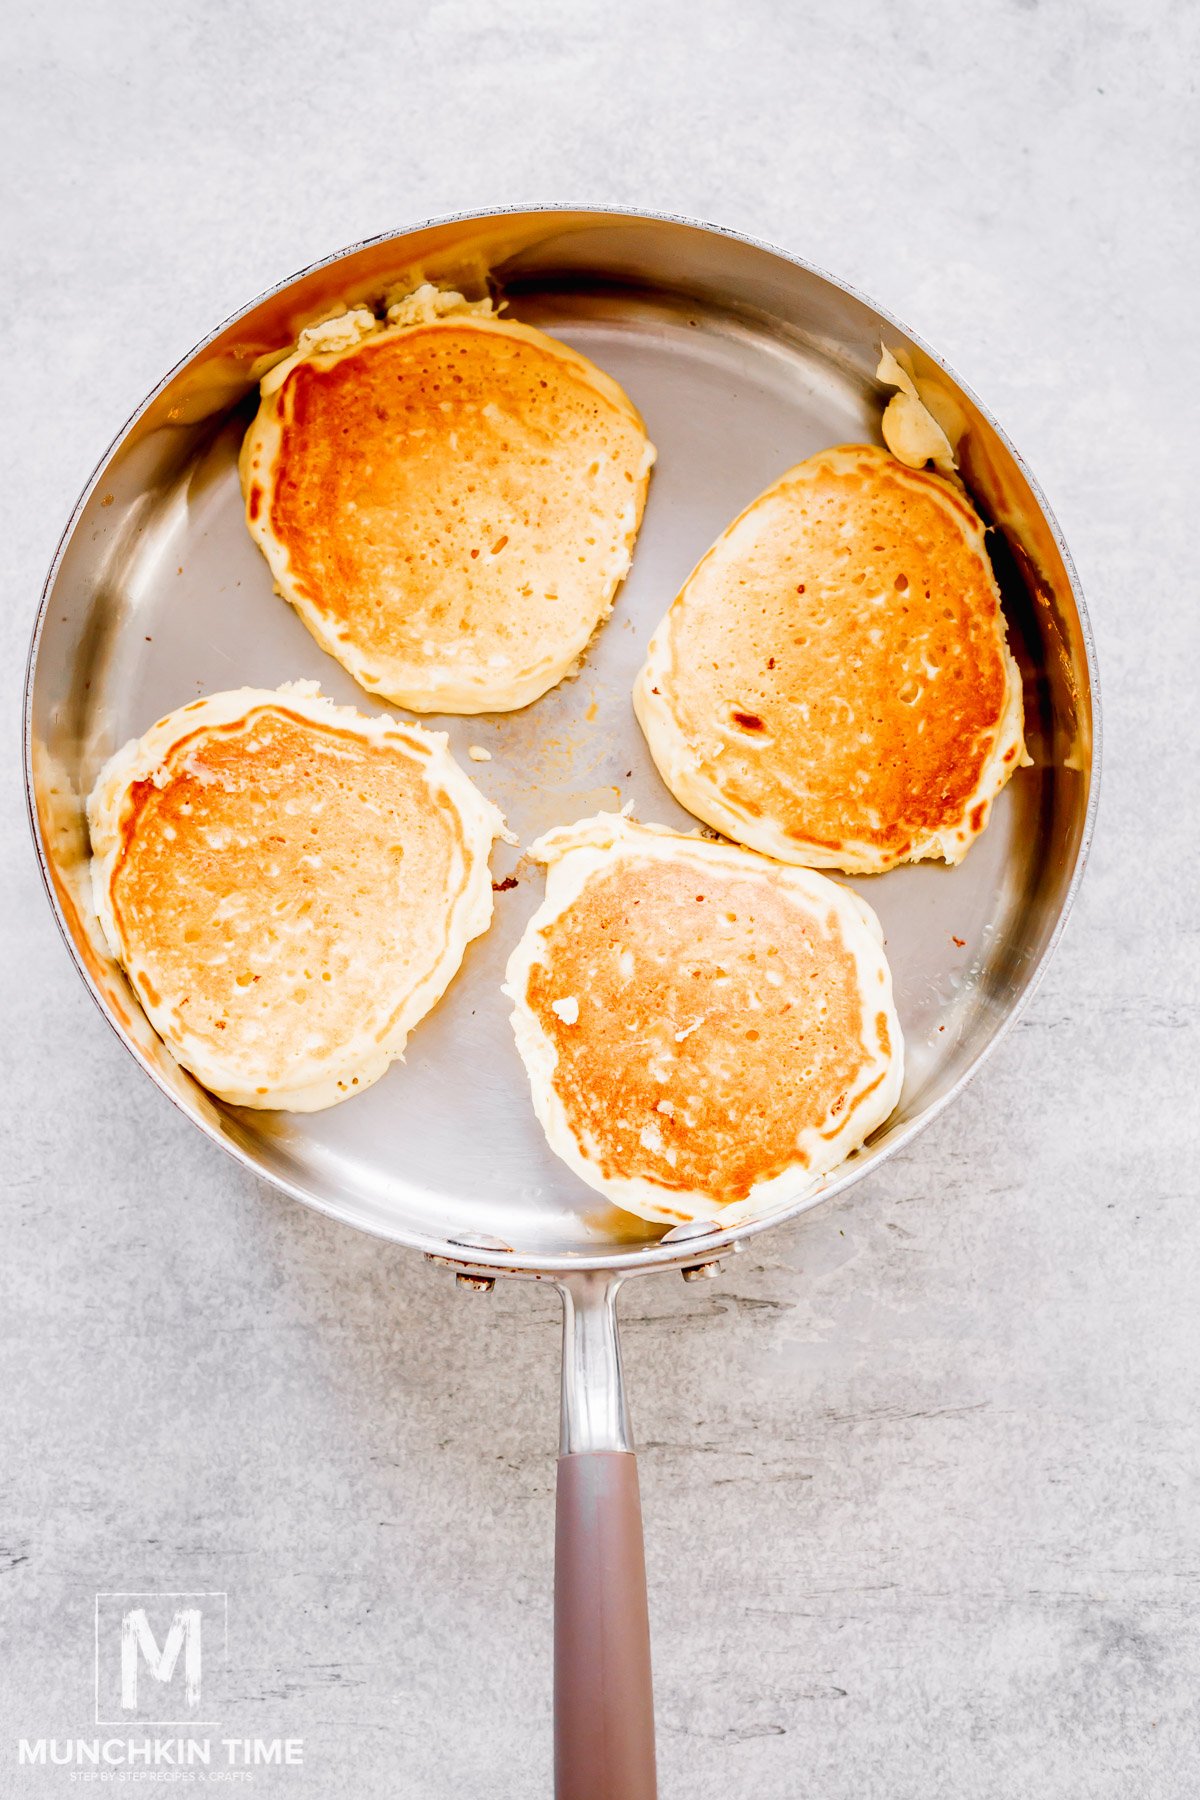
<point x="707" y="1033"/>
<point x="833" y="685"/>
<point x="289" y="887"/>
<point x="449" y="499"/>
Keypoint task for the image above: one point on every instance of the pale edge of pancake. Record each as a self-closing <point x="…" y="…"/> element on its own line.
<point x="573" y="855"/>
<point x="324" y="345"/>
<point x="680" y="759"/>
<point x="469" y="913"/>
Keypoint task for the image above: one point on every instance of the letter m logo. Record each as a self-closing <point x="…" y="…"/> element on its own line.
<point x="138" y="1645"/>
<point x="160" y="1658"/>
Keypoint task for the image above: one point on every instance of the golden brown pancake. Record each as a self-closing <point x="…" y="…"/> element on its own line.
<point x="833" y="686"/>
<point x="449" y="500"/>
<point x="707" y="1032"/>
<point x="289" y="887"/>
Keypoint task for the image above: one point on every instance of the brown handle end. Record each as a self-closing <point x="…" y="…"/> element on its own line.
<point x="603" y="1695"/>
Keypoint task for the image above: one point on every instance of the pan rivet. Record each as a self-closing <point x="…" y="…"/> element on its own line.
<point x="477" y="1284"/>
<point x="701" y="1271"/>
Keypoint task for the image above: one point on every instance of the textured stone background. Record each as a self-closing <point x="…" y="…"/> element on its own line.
<point x="920" y="1473"/>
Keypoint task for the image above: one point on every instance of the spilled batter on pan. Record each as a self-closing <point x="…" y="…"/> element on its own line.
<point x="707" y="1032"/>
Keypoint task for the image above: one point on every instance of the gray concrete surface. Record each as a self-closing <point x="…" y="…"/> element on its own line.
<point x="920" y="1473"/>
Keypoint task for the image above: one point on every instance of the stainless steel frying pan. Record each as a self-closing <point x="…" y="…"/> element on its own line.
<point x="743" y="361"/>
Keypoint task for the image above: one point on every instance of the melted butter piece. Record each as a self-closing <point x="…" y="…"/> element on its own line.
<point x="330" y="337"/>
<point x="910" y="431"/>
<point x="428" y="302"/>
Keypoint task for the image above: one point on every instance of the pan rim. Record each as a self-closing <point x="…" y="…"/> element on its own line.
<point x="703" y="1247"/>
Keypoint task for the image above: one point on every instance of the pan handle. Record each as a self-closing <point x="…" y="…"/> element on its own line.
<point x="603" y="1695"/>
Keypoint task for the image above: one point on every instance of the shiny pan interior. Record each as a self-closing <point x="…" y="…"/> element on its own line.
<point x="742" y="361"/>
